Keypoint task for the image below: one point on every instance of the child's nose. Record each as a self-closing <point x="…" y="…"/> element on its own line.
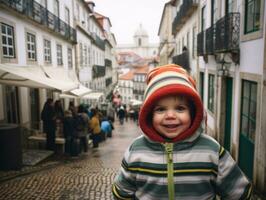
<point x="171" y="113"/>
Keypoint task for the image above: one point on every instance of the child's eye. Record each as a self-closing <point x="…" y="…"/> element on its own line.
<point x="181" y="108"/>
<point x="159" y="109"/>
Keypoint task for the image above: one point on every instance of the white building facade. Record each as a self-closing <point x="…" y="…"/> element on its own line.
<point x="37" y="57"/>
<point x="230" y="44"/>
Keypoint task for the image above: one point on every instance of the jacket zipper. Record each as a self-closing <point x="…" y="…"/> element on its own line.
<point x="170" y="170"/>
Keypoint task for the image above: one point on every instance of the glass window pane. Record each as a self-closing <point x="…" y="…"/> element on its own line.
<point x="253" y="92"/>
<point x="3" y="27"/>
<point x="10" y="41"/>
<point x="249" y="25"/>
<point x="244" y="125"/>
<point x="252" y="130"/>
<point x="245" y="107"/>
<point x="5" y="50"/>
<point x="9" y="31"/>
<point x="11" y="52"/>
<point x="246" y="89"/>
<point x="4" y="40"/>
<point x="253" y="107"/>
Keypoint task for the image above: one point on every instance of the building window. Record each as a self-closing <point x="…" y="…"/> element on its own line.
<point x="139" y="42"/>
<point x="80" y="55"/>
<point x="203" y="18"/>
<point x="229" y="6"/>
<point x="188" y="45"/>
<point x="248" y="109"/>
<point x="47" y="51"/>
<point x="194" y="42"/>
<point x="211" y="93"/>
<point x="56" y="8"/>
<point x="67" y="16"/>
<point x="201" y="84"/>
<point x="31" y="47"/>
<point x="59" y="54"/>
<point x="69" y="58"/>
<point x="214" y="12"/>
<point x="8" y="43"/>
<point x="252" y="15"/>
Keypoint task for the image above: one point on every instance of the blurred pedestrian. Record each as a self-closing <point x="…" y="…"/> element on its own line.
<point x="49" y="123"/>
<point x="106" y="127"/>
<point x="81" y="124"/>
<point x="68" y="130"/>
<point x="95" y="128"/>
<point x="121" y="114"/>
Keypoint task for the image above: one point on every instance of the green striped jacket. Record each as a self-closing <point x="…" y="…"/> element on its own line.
<point x="196" y="168"/>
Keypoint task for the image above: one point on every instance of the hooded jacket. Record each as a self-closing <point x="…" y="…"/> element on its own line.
<point x="192" y="166"/>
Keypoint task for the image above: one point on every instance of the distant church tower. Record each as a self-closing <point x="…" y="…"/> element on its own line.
<point x="141" y="38"/>
<point x="141" y="45"/>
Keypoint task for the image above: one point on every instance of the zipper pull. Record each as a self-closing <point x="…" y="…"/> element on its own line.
<point x="169" y="150"/>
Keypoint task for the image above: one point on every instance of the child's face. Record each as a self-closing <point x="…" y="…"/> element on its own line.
<point x="171" y="116"/>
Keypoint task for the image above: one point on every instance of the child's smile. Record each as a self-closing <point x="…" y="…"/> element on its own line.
<point x="171" y="116"/>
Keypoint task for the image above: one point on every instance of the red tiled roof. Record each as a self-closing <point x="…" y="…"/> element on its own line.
<point x="128" y="76"/>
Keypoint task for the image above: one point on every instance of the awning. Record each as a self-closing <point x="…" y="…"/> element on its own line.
<point x="32" y="76"/>
<point x="80" y="91"/>
<point x="63" y="96"/>
<point x="135" y="102"/>
<point x="93" y="96"/>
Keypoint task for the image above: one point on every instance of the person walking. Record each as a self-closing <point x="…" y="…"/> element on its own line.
<point x="81" y="124"/>
<point x="121" y="114"/>
<point x="68" y="130"/>
<point x="49" y="123"/>
<point x="175" y="159"/>
<point x="95" y="128"/>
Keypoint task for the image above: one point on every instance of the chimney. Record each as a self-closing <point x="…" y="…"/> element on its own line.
<point x="91" y="5"/>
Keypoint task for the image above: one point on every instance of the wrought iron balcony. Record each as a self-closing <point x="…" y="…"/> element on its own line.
<point x="227" y="33"/>
<point x="108" y="81"/>
<point x="209" y="45"/>
<point x="185" y="11"/>
<point x="98" y="71"/>
<point x="98" y="41"/>
<point x="138" y="92"/>
<point x="108" y="63"/>
<point x="200" y="43"/>
<point x="182" y="60"/>
<point x="41" y="15"/>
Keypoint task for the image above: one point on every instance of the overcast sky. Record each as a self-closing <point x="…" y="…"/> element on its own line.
<point x="126" y="15"/>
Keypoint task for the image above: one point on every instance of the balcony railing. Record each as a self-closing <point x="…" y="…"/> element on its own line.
<point x="98" y="71"/>
<point x="209" y="45"/>
<point x="200" y="43"/>
<point x="138" y="92"/>
<point x="185" y="11"/>
<point x="223" y="37"/>
<point x="107" y="62"/>
<point x="108" y="81"/>
<point x="182" y="60"/>
<point x="41" y="15"/>
<point x="227" y="33"/>
<point x="98" y="41"/>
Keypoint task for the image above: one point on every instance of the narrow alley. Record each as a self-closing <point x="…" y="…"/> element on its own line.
<point x="88" y="176"/>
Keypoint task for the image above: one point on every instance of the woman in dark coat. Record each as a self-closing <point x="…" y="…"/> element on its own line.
<point x="49" y="124"/>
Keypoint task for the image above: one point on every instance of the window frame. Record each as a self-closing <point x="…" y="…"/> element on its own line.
<point x="253" y="29"/>
<point x="14" y="56"/>
<point x="59" y="55"/>
<point x="69" y="58"/>
<point x="31" y="54"/>
<point x="211" y="94"/>
<point x="45" y="55"/>
<point x="249" y="99"/>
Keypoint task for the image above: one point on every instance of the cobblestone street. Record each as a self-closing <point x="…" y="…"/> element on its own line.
<point x="88" y="176"/>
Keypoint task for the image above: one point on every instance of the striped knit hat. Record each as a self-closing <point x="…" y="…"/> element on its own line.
<point x="164" y="81"/>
